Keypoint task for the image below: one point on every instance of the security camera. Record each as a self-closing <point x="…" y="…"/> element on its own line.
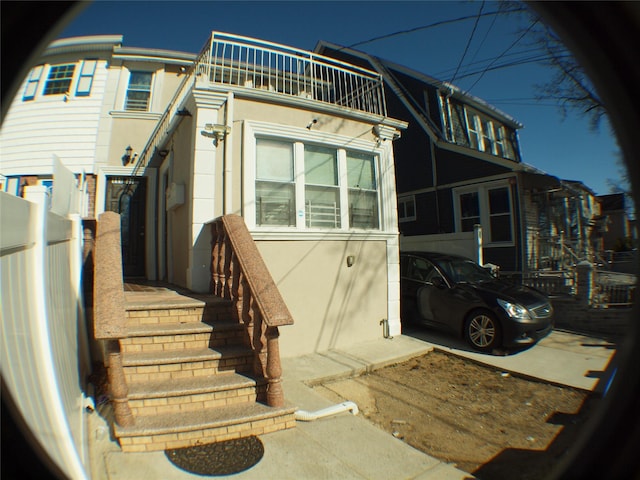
<point x="311" y="123"/>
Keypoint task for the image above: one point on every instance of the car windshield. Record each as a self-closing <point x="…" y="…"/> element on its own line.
<point x="461" y="270"/>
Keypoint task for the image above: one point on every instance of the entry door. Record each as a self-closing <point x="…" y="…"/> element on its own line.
<point x="126" y="196"/>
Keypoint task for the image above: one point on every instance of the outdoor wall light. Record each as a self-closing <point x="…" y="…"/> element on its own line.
<point x="351" y="260"/>
<point x="128" y="156"/>
<point x="216" y="131"/>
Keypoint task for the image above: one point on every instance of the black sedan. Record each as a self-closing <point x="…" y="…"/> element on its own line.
<point x="456" y="294"/>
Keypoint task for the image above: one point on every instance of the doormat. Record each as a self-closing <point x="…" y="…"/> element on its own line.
<point x="217" y="459"/>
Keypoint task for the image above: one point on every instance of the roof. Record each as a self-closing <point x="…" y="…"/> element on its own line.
<point x="457" y="93"/>
<point x="614" y="201"/>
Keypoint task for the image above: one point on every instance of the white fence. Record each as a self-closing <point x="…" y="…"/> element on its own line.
<point x="44" y="357"/>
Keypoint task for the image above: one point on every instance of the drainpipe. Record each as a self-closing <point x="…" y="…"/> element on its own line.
<point x="305" y="416"/>
<point x="227" y="176"/>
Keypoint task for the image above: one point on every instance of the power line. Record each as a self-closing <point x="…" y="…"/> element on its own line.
<point x="513" y="44"/>
<point x="466" y="48"/>
<point x="431" y="25"/>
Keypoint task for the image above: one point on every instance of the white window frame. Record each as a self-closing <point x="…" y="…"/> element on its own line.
<point x="128" y="88"/>
<point x="485" y="215"/>
<point x="387" y="212"/>
<point x="402" y="211"/>
<point x="56" y="80"/>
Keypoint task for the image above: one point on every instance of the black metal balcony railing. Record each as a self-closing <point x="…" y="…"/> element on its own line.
<point x="247" y="64"/>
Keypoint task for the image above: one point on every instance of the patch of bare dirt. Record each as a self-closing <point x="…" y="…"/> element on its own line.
<point x="485" y="421"/>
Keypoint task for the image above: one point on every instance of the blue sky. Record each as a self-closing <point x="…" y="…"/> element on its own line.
<point x="565" y="147"/>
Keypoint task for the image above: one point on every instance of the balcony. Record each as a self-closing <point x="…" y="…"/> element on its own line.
<point x="251" y="66"/>
<point x="246" y="63"/>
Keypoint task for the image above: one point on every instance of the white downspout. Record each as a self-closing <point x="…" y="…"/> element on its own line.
<point x="227" y="176"/>
<point x="305" y="416"/>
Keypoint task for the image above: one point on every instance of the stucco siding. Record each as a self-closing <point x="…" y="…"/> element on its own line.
<point x="333" y="305"/>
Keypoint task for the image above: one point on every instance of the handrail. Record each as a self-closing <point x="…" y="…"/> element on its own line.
<point x="109" y="309"/>
<point x="240" y="274"/>
<point x="263" y="288"/>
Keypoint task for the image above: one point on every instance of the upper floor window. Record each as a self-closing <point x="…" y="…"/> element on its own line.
<point x="138" y="91"/>
<point x="406" y="208"/>
<point x="32" y="82"/>
<point x="59" y="79"/>
<point x="470" y="128"/>
<point x="301" y="185"/>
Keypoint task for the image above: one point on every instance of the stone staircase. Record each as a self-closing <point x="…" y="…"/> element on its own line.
<point x="189" y="374"/>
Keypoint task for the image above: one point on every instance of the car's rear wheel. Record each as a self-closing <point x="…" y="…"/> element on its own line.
<point x="482" y="330"/>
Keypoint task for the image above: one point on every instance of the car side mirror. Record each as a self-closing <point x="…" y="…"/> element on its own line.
<point x="438" y="282"/>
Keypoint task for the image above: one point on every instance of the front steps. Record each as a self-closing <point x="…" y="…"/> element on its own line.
<point x="189" y="374"/>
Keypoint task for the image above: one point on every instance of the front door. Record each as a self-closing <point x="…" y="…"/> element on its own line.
<point x="126" y="196"/>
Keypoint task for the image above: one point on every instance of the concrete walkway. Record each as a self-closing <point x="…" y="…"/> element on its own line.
<point x="347" y="446"/>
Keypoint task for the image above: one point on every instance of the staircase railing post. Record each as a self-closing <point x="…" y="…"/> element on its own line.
<point x="275" y="394"/>
<point x="118" y="385"/>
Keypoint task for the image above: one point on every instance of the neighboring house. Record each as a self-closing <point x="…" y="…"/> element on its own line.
<point x="459" y="165"/>
<point x="86" y="100"/>
<point x="618" y="226"/>
<point x="297" y="144"/>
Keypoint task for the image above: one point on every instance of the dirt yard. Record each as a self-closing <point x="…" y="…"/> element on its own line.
<point x="486" y="422"/>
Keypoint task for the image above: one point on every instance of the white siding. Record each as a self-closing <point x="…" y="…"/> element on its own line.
<point x="34" y="130"/>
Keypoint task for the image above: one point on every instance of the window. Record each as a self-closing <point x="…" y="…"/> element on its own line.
<point x="59" y="79"/>
<point x="469" y="211"/>
<point x="500" y="214"/>
<point x="363" y="194"/>
<point x="487" y="205"/>
<point x="321" y="191"/>
<point x="406" y="208"/>
<point x="32" y="82"/>
<point x="275" y="190"/>
<point x="311" y="186"/>
<point x="138" y="91"/>
<point x="470" y="128"/>
<point x="87" y="70"/>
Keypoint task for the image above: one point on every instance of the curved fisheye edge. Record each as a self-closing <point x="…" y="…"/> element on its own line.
<point x="601" y="35"/>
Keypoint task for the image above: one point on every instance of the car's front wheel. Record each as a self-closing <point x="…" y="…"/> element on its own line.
<point x="482" y="330"/>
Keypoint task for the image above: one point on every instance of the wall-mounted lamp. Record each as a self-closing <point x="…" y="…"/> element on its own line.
<point x="312" y="123"/>
<point x="350" y="260"/>
<point x="128" y="156"/>
<point x="163" y="153"/>
<point x="216" y="131"/>
<point x="385" y="132"/>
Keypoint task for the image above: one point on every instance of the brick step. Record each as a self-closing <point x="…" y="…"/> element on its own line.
<point x="146" y="308"/>
<point x="196" y="393"/>
<point x="159" y="337"/>
<point x="142" y="367"/>
<point x="209" y="425"/>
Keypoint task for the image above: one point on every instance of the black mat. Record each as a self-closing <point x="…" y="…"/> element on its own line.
<point x="217" y="459"/>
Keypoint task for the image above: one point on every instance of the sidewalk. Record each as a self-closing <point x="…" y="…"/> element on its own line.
<point x="343" y="446"/>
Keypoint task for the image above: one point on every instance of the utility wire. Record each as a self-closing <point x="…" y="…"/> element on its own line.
<point x="513" y="44"/>
<point x="466" y="48"/>
<point x="436" y="24"/>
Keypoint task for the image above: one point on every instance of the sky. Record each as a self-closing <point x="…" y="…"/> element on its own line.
<point x="436" y="38"/>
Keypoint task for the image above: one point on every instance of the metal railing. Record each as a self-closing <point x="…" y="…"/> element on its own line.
<point x="248" y="64"/>
<point x="245" y="62"/>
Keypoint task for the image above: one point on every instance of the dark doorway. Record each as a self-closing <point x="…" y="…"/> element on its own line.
<point x="126" y="196"/>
